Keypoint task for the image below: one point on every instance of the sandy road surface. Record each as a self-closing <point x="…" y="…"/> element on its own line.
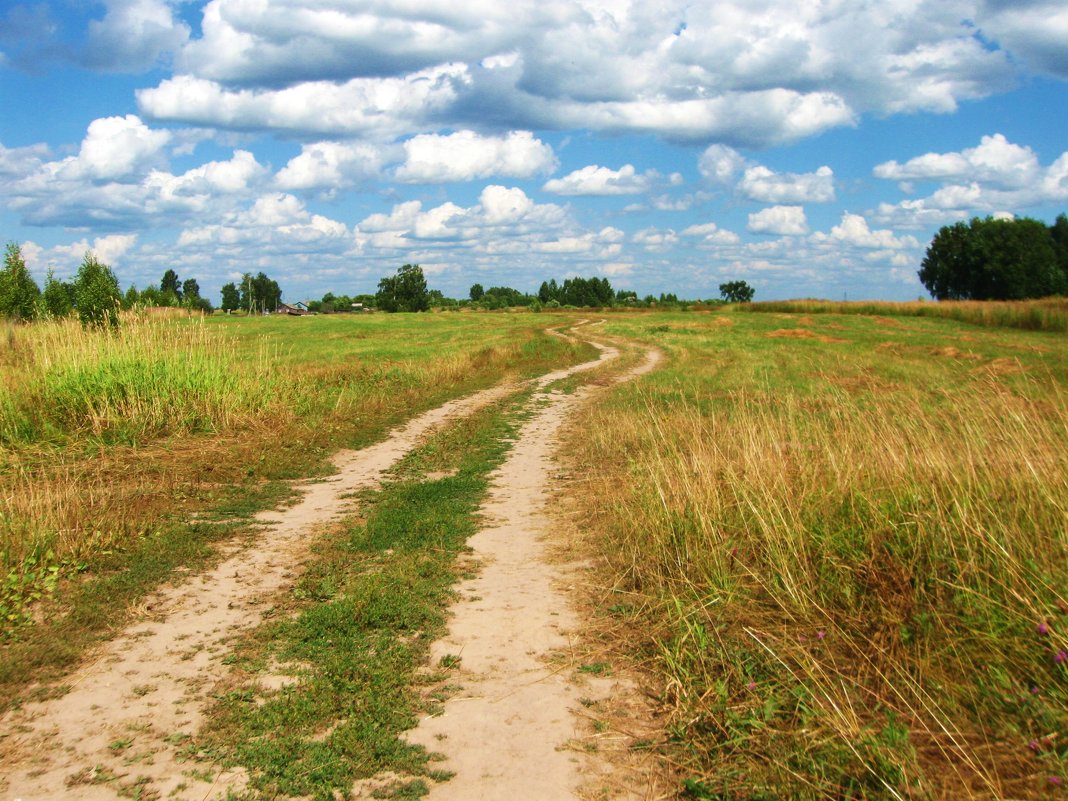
<point x="148" y="686"/>
<point x="506" y="735"/>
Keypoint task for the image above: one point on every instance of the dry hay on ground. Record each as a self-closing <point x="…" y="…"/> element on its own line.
<point x="801" y="333"/>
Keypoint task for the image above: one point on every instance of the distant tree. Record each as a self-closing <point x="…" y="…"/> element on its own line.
<point x="994" y="259"/>
<point x="259" y="293"/>
<point x="170" y="283"/>
<point x="736" y="292"/>
<point x="1059" y="232"/>
<point x="57" y="297"/>
<point x="131" y="298"/>
<point x="190" y="288"/>
<point x="151" y="296"/>
<point x="96" y="293"/>
<point x="477" y="292"/>
<point x="19" y="293"/>
<point x="404" y="292"/>
<point x="549" y="290"/>
<point x="231" y="298"/>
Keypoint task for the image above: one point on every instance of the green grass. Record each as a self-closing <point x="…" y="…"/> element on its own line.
<point x="356" y="629"/>
<point x="223" y="411"/>
<point x="833" y="540"/>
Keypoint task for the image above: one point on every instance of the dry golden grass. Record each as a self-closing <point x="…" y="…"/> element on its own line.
<point x="839" y="584"/>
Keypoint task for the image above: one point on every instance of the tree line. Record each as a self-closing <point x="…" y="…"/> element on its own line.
<point x="997" y="259"/>
<point x="93" y="294"/>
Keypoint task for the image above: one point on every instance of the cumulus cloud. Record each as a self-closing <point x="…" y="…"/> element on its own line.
<point x="732" y="73"/>
<point x="761" y="184"/>
<point x="119" y="147"/>
<point x="466" y="156"/>
<point x="995" y="161"/>
<point x="276" y="223"/>
<point x="1035" y="31"/>
<point x="656" y="240"/>
<point x="505" y="226"/>
<point x="853" y="230"/>
<point x="331" y="166"/>
<point x="119" y="181"/>
<point x="719" y="164"/>
<point x="595" y="180"/>
<point x="378" y="107"/>
<point x="781" y="220"/>
<point x="712" y="234"/>
<point x="134" y="35"/>
<point x="996" y="176"/>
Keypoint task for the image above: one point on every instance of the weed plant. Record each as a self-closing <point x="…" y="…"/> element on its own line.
<point x="842" y="549"/>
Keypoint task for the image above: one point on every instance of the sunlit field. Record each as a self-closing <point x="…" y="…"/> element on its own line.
<point x="838" y="543"/>
<point x="134" y="445"/>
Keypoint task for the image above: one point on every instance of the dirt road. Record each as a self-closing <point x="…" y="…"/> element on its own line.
<point x="149" y="685"/>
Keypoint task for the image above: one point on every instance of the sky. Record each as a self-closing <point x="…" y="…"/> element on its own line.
<point x="809" y="147"/>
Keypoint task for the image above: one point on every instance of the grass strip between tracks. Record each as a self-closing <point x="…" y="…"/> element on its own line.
<point x="355" y="630"/>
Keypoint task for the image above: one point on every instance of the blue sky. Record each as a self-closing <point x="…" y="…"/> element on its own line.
<point x="811" y="149"/>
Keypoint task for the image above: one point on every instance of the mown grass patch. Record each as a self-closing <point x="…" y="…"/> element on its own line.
<point x="845" y="563"/>
<point x="355" y="631"/>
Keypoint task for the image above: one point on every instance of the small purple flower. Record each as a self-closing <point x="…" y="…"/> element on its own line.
<point x="1034" y="689"/>
<point x="1060" y="656"/>
<point x="1043" y="627"/>
<point x="820" y="635"/>
<point x="1055" y="781"/>
<point x="752" y="685"/>
<point x="1033" y="745"/>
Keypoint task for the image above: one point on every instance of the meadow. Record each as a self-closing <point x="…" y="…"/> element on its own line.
<point x="837" y="544"/>
<point x="127" y="456"/>
<point x="833" y="539"/>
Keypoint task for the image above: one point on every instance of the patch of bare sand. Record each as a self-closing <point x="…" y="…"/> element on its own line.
<point x="120" y="728"/>
<point x="511" y="732"/>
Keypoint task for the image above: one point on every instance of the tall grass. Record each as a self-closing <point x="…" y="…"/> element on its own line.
<point x="149" y="378"/>
<point x="109" y="437"/>
<point x="851" y="589"/>
<point x="1049" y="314"/>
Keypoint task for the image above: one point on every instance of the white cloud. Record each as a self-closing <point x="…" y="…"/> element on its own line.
<point x="120" y="147"/>
<point x="594" y="180"/>
<point x="735" y="73"/>
<point x="781" y="220"/>
<point x="134" y="35"/>
<point x="331" y="166"/>
<point x="712" y="234"/>
<point x="996" y="176"/>
<point x="761" y="184"/>
<point x="995" y="161"/>
<point x="853" y="230"/>
<point x="379" y="107"/>
<point x="275" y="223"/>
<point x="719" y="164"/>
<point x="64" y="259"/>
<point x="466" y="156"/>
<point x="656" y="240"/>
<point x="1035" y="31"/>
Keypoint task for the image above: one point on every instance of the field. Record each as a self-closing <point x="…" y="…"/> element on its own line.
<point x="840" y="544"/>
<point x="125" y="457"/>
<point x="831" y="542"/>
